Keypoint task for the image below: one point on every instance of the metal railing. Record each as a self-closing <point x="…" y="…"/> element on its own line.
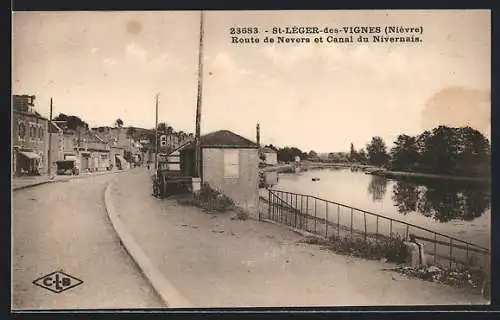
<point x="328" y="218"/>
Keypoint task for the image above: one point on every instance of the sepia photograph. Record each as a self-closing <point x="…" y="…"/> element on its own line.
<point x="233" y="159"/>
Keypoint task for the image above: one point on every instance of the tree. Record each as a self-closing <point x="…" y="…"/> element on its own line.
<point x="119" y="123"/>
<point x="404" y="155"/>
<point x="288" y="154"/>
<point x="162" y="127"/>
<point x="440" y="154"/>
<point x="72" y="122"/>
<point x="313" y="155"/>
<point x="271" y="147"/>
<point x="377" y="152"/>
<point x="352" y="153"/>
<point x="361" y="156"/>
<point x="474" y="152"/>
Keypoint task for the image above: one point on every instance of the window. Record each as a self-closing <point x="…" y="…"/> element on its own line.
<point x="231" y="163"/>
<point x="22" y="130"/>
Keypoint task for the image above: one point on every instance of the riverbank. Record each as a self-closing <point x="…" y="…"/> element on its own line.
<point x="373" y="170"/>
<point x="404" y="174"/>
<point x="306" y="165"/>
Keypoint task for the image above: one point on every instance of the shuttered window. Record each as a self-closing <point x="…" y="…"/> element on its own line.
<point x="231" y="163"/>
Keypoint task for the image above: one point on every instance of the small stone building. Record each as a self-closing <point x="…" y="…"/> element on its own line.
<point x="270" y="156"/>
<point x="229" y="164"/>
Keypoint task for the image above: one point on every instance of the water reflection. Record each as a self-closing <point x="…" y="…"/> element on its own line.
<point x="377" y="187"/>
<point x="443" y="201"/>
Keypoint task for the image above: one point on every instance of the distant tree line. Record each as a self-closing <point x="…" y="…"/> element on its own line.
<point x="288" y="154"/>
<point x="460" y="151"/>
<point x="72" y="122"/>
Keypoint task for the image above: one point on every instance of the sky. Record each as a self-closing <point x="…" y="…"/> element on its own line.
<point x="102" y="66"/>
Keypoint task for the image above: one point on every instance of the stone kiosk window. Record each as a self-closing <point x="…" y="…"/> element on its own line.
<point x="231" y="163"/>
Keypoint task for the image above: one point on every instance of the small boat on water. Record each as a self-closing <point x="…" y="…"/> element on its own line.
<point x="315" y="179"/>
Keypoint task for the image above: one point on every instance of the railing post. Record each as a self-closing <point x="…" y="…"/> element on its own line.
<point x="451" y="249"/>
<point x="364" y="213"/>
<point x="407" y="231"/>
<point x="269" y="205"/>
<point x="295" y="211"/>
<point x="315" y="215"/>
<point x="435" y="247"/>
<point x="467" y="252"/>
<point x="326" y="232"/>
<point x="338" y="220"/>
<point x="376" y="231"/>
<point x="305" y="218"/>
<point x="390" y="231"/>
<point x="352" y="215"/>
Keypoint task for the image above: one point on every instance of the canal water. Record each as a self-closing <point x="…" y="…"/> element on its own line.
<point x="460" y="210"/>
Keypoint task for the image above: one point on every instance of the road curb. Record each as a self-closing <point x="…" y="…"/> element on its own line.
<point x="167" y="292"/>
<point x="36" y="184"/>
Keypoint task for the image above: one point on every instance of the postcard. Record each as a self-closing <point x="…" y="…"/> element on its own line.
<point x="228" y="159"/>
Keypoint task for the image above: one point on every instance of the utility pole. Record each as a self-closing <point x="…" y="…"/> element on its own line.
<point x="198" y="103"/>
<point x="156" y="133"/>
<point x="49" y="156"/>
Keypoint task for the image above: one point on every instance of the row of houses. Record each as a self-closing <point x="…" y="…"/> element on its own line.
<point x="33" y="135"/>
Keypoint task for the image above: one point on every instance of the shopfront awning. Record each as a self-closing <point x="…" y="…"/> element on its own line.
<point x="30" y="155"/>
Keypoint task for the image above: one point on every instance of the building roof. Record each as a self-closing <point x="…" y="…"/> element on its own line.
<point x="54" y="128"/>
<point x="267" y="150"/>
<point x="32" y="114"/>
<point x="221" y="139"/>
<point x="226" y="138"/>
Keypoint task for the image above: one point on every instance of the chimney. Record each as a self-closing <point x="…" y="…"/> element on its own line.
<point x="258" y="134"/>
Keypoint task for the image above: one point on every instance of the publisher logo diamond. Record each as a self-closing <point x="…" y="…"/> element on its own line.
<point x="57" y="282"/>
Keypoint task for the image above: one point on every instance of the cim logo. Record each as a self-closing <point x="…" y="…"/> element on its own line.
<point x="57" y="282"/>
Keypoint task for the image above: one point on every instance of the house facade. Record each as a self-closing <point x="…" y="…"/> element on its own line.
<point x="94" y="152"/>
<point x="229" y="164"/>
<point x="29" y="137"/>
<point x="56" y="145"/>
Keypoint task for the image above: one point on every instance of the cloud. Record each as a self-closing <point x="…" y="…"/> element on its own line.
<point x="135" y="51"/>
<point x="109" y="61"/>
<point x="163" y="60"/>
<point x="224" y="66"/>
<point x="145" y="60"/>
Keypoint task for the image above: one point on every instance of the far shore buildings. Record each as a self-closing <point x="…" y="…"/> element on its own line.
<point x="270" y="156"/>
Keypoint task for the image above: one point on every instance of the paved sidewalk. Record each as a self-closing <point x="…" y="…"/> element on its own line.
<point x="29" y="181"/>
<point x="214" y="261"/>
